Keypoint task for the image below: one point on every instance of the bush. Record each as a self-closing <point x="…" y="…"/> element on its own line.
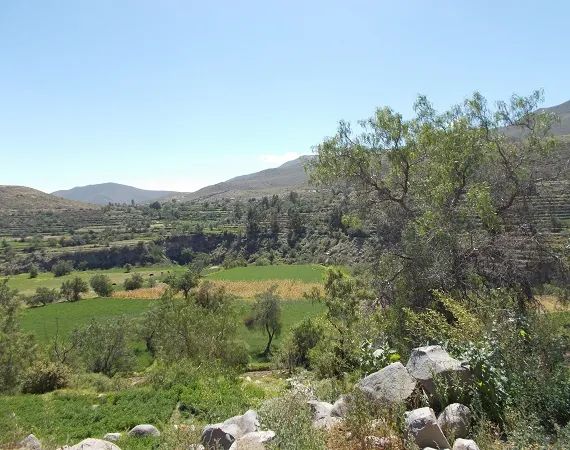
<point x="45" y="376"/>
<point x="62" y="268"/>
<point x="136" y="281"/>
<point x="43" y="296"/>
<point x="128" y="267"/>
<point x="102" y="285"/>
<point x="33" y="271"/>
<point x="72" y="289"/>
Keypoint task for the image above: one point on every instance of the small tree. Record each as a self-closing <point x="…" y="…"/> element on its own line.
<point x="136" y="281"/>
<point x="102" y="285"/>
<point x="72" y="289"/>
<point x="266" y="316"/>
<point x="128" y="267"/>
<point x="184" y="282"/>
<point x="62" y="268"/>
<point x="33" y="271"/>
<point x="43" y="296"/>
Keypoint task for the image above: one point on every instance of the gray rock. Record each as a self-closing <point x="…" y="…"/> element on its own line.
<point x="320" y="410"/>
<point x="465" y="444"/>
<point x="393" y="384"/>
<point x="226" y="433"/>
<point x="455" y="420"/>
<point x="425" y="363"/>
<point x="94" y="444"/>
<point x="144" y="431"/>
<point x="340" y="407"/>
<point x="112" y="437"/>
<point x="327" y="423"/>
<point x="31" y="442"/>
<point x="422" y="428"/>
<point x="253" y="441"/>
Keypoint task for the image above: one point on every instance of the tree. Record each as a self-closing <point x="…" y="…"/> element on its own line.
<point x="446" y="191"/>
<point x="266" y="316"/>
<point x="102" y="285"/>
<point x="155" y="205"/>
<point x="128" y="267"/>
<point x="184" y="282"/>
<point x="62" y="268"/>
<point x="33" y="271"/>
<point x="43" y="296"/>
<point x="72" y="289"/>
<point x="16" y="347"/>
<point x="136" y="281"/>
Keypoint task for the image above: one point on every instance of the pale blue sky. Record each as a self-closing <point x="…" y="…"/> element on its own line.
<point x="181" y="94"/>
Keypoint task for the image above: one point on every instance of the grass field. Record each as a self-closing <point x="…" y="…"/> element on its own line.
<point x="304" y="273"/>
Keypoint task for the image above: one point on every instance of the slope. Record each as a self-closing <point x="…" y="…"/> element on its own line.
<point x="104" y="193"/>
<point x="21" y="198"/>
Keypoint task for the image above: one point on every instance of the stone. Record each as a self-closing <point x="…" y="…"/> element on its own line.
<point x="425" y="363"/>
<point x="422" y="427"/>
<point x="340" y="407"/>
<point x="455" y="420"/>
<point x="144" y="431"/>
<point x="327" y="423"/>
<point x="31" y="443"/>
<point x="465" y="444"/>
<point x="112" y="437"/>
<point x="253" y="441"/>
<point x="94" y="444"/>
<point x="393" y="384"/>
<point x="226" y="433"/>
<point x="320" y="410"/>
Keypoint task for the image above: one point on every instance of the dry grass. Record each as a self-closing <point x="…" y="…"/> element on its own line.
<point x="287" y="289"/>
<point x="551" y="303"/>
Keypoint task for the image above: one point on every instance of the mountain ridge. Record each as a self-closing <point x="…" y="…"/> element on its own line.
<point x="105" y="193"/>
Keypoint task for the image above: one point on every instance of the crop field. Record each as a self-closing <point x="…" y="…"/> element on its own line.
<point x="306" y="273"/>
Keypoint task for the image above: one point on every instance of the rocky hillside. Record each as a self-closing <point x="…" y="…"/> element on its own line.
<point x="21" y="198"/>
<point x="105" y="193"/>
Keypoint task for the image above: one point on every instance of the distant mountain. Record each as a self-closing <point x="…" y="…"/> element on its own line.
<point x="563" y="112"/>
<point x="288" y="176"/>
<point x="105" y="193"/>
<point x="21" y="198"/>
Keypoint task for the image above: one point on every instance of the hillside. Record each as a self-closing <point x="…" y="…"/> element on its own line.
<point x="21" y="198"/>
<point x="290" y="175"/>
<point x="105" y="193"/>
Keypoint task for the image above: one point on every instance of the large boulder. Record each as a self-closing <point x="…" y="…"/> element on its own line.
<point x="426" y="363"/>
<point x="393" y="384"/>
<point x="226" y="433"/>
<point x="340" y="407"/>
<point x="94" y="444"/>
<point x="31" y="443"/>
<point x="455" y="420"/>
<point x="320" y="410"/>
<point x="465" y="444"/>
<point x="422" y="428"/>
<point x="144" y="430"/>
<point x="253" y="441"/>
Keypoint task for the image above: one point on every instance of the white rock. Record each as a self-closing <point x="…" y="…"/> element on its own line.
<point x="455" y="420"/>
<point x="465" y="444"/>
<point x="226" y="433"/>
<point x="94" y="444"/>
<point x="144" y="431"/>
<point x="422" y="427"/>
<point x="253" y="441"/>
<point x="327" y="423"/>
<point x="112" y="437"/>
<point x="320" y="410"/>
<point x="340" y="407"/>
<point x="393" y="384"/>
<point x="31" y="443"/>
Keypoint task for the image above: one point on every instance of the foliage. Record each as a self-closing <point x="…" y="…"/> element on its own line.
<point x="104" y="347"/>
<point x="136" y="281"/>
<point x="43" y="296"/>
<point x="266" y="316"/>
<point x="45" y="376"/>
<point x="34" y="271"/>
<point x="102" y="285"/>
<point x="62" y="268"/>
<point x="303" y="337"/>
<point x="17" y="348"/>
<point x="72" y="289"/>
<point x="184" y="282"/>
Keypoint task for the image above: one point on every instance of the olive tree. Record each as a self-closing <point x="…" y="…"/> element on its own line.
<point x="266" y="316"/>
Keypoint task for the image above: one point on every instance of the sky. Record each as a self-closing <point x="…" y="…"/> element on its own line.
<point x="177" y="95"/>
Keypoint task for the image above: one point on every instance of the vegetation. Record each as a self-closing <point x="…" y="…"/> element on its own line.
<point x="102" y="285"/>
<point x="266" y="316"/>
<point x="72" y="289"/>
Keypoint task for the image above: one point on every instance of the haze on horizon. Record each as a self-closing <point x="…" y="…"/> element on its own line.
<point x="180" y="95"/>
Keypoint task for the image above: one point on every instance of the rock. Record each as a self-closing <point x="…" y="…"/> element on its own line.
<point x="112" y="437"/>
<point x="320" y="410"/>
<point x="465" y="444"/>
<point x="327" y="423"/>
<point x="340" y="407"/>
<point x="422" y="427"/>
<point x="94" y="444"/>
<point x="253" y="441"/>
<point x="144" y="431"/>
<point x="455" y="420"/>
<point x="226" y="433"/>
<point x="31" y="442"/>
<point x="375" y="442"/>
<point x="427" y="362"/>
<point x="393" y="384"/>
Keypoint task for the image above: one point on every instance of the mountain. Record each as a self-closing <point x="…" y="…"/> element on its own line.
<point x="104" y="193"/>
<point x="21" y="198"/>
<point x="563" y="112"/>
<point x="288" y="176"/>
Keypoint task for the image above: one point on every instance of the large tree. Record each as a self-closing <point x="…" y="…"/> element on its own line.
<point x="449" y="194"/>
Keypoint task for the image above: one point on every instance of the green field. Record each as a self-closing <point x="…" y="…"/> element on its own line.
<point x="306" y="273"/>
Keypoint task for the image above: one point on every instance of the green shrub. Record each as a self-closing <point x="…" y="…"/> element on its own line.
<point x="43" y="296"/>
<point x="62" y="268"/>
<point x="128" y="267"/>
<point x="136" y="281"/>
<point x="45" y="376"/>
<point x="34" y="271"/>
<point x="102" y="285"/>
